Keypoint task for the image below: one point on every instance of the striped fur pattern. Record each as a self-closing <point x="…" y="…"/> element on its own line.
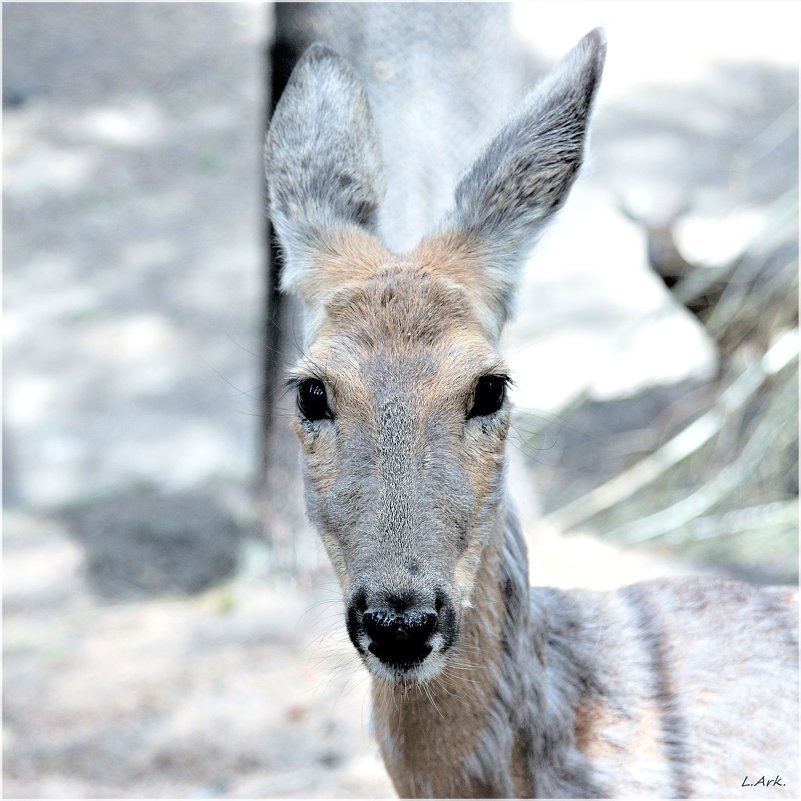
<point x="667" y="689"/>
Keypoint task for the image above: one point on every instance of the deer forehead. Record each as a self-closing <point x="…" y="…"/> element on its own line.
<point x="359" y="286"/>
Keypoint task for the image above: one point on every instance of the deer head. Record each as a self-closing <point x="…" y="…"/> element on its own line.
<point x="402" y="408"/>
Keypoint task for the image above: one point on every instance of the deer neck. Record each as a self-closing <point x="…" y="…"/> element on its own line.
<point x="457" y="735"/>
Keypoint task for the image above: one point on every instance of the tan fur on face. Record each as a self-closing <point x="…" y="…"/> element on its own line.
<point x="349" y="255"/>
<point x="483" y="460"/>
<point x="457" y="257"/>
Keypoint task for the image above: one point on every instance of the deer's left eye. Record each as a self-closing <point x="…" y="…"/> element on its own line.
<point x="489" y="395"/>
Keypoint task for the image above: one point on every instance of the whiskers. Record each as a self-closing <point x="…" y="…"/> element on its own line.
<point x="423" y="687"/>
<point x="541" y="436"/>
<point x="329" y="649"/>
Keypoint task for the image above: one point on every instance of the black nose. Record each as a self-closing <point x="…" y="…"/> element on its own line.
<point x="399" y="638"/>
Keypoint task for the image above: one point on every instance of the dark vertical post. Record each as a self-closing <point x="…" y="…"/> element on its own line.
<point x="279" y="484"/>
<point x="280" y="57"/>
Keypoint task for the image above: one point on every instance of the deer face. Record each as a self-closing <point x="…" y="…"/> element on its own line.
<point x="402" y="416"/>
<point x="402" y="412"/>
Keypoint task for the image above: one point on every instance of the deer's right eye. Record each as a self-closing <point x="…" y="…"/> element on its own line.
<point x="312" y="400"/>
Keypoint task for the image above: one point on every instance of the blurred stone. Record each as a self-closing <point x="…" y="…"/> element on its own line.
<point x="13" y="96"/>
<point x="146" y="542"/>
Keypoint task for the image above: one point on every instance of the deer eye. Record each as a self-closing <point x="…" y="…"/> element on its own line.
<point x="489" y="395"/>
<point x="312" y="400"/>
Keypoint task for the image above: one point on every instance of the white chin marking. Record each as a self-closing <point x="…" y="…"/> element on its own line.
<point x="430" y="667"/>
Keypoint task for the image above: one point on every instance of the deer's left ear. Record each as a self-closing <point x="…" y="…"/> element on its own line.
<point x="323" y="165"/>
<point x="505" y="199"/>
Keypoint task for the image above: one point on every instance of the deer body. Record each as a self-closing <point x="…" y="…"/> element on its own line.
<point x="482" y="687"/>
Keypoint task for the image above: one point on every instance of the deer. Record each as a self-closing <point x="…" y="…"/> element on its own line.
<point x="481" y="685"/>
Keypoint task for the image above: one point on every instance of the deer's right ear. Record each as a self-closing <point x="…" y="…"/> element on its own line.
<point x="322" y="162"/>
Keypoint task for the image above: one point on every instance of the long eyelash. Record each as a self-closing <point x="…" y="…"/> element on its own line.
<point x="291" y="384"/>
<point x="507" y="379"/>
<point x="299" y="375"/>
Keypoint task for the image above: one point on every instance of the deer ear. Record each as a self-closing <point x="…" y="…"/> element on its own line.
<point x="522" y="179"/>
<point x="322" y="162"/>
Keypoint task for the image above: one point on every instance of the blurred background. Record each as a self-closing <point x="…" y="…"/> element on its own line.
<point x="171" y="626"/>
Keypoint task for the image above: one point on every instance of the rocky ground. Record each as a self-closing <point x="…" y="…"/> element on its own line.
<point x="148" y="650"/>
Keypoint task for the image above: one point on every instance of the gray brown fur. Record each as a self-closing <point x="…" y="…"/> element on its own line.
<point x="664" y="689"/>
